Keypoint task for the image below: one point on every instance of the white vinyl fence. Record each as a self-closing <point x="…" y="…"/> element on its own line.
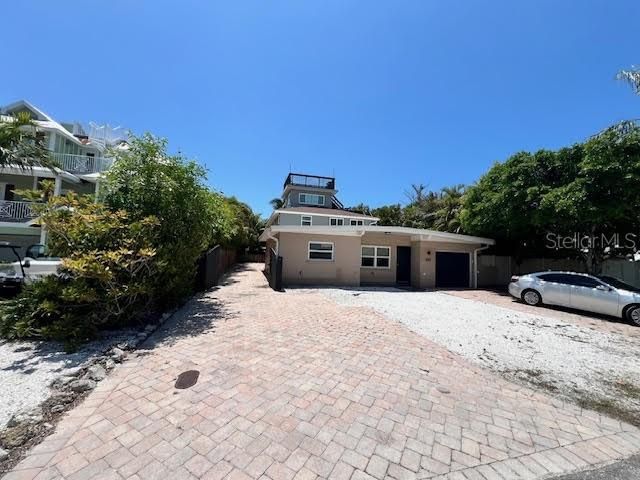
<point x="496" y="270"/>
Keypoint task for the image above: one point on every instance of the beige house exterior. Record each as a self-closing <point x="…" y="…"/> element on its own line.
<point x="324" y="244"/>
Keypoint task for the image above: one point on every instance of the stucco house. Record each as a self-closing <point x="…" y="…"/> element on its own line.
<point x="322" y="243"/>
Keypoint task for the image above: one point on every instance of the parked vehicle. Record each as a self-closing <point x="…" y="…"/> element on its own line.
<point x="32" y="267"/>
<point x="599" y="294"/>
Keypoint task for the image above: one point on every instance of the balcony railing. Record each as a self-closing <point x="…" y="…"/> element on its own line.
<point x="12" y="211"/>
<point x="82" y="164"/>
<point x="310" y="181"/>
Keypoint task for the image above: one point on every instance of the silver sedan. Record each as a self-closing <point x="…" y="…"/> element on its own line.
<point x="599" y="294"/>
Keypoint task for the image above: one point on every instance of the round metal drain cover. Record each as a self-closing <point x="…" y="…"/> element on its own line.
<point x="187" y="379"/>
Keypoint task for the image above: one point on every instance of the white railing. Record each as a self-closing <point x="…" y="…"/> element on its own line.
<point x="10" y="210"/>
<point x="82" y="164"/>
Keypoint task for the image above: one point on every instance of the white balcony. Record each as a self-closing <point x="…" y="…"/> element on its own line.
<point x="11" y="211"/>
<point x="82" y="164"/>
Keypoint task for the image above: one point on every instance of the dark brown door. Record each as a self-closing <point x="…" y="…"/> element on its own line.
<point x="403" y="265"/>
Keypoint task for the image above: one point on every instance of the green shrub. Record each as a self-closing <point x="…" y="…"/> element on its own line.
<point x="107" y="277"/>
<point x="49" y="309"/>
<point x="134" y="251"/>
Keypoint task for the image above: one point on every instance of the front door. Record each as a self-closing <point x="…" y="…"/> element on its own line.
<point x="403" y="265"/>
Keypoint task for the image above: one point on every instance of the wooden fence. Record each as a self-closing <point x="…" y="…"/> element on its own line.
<point x="252" y="257"/>
<point x="273" y="270"/>
<point x="212" y="265"/>
<point x="496" y="270"/>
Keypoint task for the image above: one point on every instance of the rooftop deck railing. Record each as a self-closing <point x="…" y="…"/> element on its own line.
<point x="310" y="181"/>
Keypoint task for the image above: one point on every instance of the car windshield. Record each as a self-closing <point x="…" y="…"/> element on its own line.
<point x="617" y="283"/>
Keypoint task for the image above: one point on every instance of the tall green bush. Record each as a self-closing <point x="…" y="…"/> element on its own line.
<point x="133" y="251"/>
<point x="146" y="181"/>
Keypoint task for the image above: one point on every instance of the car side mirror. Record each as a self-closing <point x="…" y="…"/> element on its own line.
<point x="26" y="263"/>
<point x="603" y="288"/>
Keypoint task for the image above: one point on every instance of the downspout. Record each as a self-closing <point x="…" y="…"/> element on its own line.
<point x="475" y="264"/>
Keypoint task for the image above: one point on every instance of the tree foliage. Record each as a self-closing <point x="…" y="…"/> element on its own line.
<point x="589" y="188"/>
<point x="147" y="181"/>
<point x="133" y="252"/>
<point x="276" y="203"/>
<point x="20" y="145"/>
<point x="237" y="225"/>
<point x="425" y="209"/>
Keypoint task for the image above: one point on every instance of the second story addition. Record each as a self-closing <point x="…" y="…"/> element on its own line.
<point x="310" y="200"/>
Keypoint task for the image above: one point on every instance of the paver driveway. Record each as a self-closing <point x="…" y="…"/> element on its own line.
<point x="294" y="386"/>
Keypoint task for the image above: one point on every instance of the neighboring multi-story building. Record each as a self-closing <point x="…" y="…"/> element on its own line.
<point x="321" y="242"/>
<point x="82" y="158"/>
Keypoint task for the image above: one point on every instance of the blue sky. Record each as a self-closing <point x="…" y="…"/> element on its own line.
<point x="379" y="94"/>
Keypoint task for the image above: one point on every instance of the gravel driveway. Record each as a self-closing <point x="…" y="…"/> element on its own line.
<point x="598" y="369"/>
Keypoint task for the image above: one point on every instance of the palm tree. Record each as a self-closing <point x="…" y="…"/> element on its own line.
<point x="20" y="146"/>
<point x="276" y="203"/>
<point x="416" y="194"/>
<point x="448" y="215"/>
<point x="632" y="77"/>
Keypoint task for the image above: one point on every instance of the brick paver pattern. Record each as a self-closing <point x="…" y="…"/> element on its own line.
<point x="295" y="386"/>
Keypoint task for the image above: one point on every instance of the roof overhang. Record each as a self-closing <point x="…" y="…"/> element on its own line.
<point x="45" y="122"/>
<point x="92" y="177"/>
<point x="42" y="172"/>
<point x="415" y="234"/>
<point x="24" y="104"/>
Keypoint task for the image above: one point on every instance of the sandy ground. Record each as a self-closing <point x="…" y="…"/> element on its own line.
<point x="27" y="369"/>
<point x="588" y="320"/>
<point x="597" y="367"/>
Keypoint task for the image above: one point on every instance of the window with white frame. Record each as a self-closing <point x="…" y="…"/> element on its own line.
<point x="356" y="222"/>
<point x="320" y="251"/>
<point x="375" y="257"/>
<point x="336" y="222"/>
<point x="306" y="220"/>
<point x="311" y="199"/>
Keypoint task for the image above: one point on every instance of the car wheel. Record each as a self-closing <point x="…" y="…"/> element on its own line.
<point x="633" y="315"/>
<point x="531" y="297"/>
